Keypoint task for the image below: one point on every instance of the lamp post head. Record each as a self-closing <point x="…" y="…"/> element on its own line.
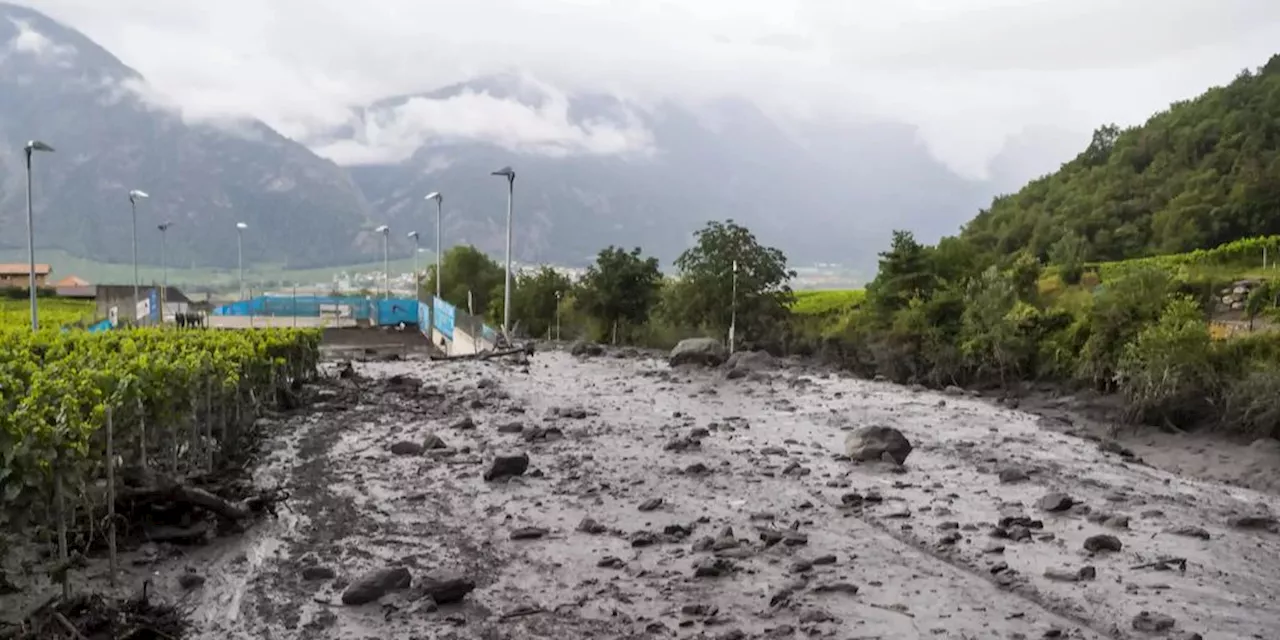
<point x="136" y="195"/>
<point x="240" y="226"/>
<point x="164" y="226"/>
<point x="434" y="195"/>
<point x="506" y="172"/>
<point x="36" y="145"/>
<point x="413" y="234"/>
<point x="383" y="229"/>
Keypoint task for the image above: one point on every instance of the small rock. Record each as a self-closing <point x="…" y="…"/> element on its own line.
<point x="528" y="533"/>
<point x="375" y="584"/>
<point x="611" y="562"/>
<point x="406" y="448"/>
<point x="1254" y="522"/>
<point x="432" y="442"/>
<point x="506" y="465"/>
<point x="318" y="573"/>
<point x="1056" y="501"/>
<point x="510" y="427"/>
<point x="589" y="525"/>
<point x="1189" y="531"/>
<point x="1011" y="475"/>
<point x="190" y="580"/>
<point x="447" y="588"/>
<point x="1102" y="542"/>
<point x="650" y="504"/>
<point x="712" y="568"/>
<point x="1149" y="622"/>
<point x="465" y="424"/>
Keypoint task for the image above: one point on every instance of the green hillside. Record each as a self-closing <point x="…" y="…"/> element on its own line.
<point x="1201" y="174"/>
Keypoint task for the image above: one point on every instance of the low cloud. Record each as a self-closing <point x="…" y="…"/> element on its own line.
<point x="393" y="134"/>
<point x="30" y="42"/>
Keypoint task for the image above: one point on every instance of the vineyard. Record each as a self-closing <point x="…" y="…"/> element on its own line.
<point x="159" y="403"/>
<point x="826" y="301"/>
<point x="54" y="312"/>
<point x="1234" y="260"/>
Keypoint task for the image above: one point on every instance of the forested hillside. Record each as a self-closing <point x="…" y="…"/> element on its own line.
<point x="1202" y="173"/>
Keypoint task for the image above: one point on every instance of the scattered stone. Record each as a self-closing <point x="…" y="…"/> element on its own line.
<point x="1149" y="622"/>
<point x="837" y="587"/>
<point x="871" y="443"/>
<point x="1102" y="542"/>
<point x="851" y="500"/>
<point x="1011" y="475"/>
<point x="589" y="525"/>
<point x="651" y="504"/>
<point x="528" y="533"/>
<point x="681" y="444"/>
<point x="707" y="352"/>
<point x="824" y="560"/>
<point x="406" y="448"/>
<point x="318" y="573"/>
<point x="465" y="424"/>
<point x="1189" y="531"/>
<point x="713" y="568"/>
<point x="433" y="442"/>
<point x="511" y="427"/>
<point x="190" y="580"/>
<point x="446" y="588"/>
<point x="1254" y="522"/>
<point x="1055" y="502"/>
<point x="583" y="348"/>
<point x="611" y="562"/>
<point x="995" y="548"/>
<point x="375" y="584"/>
<point x="506" y="465"/>
<point x="697" y="469"/>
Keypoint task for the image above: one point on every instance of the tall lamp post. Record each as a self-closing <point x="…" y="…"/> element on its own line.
<point x="386" y="268"/>
<point x="240" y="227"/>
<point x="510" y="175"/>
<point x="134" y="197"/>
<point x="31" y="147"/>
<point x="164" y="265"/>
<point x="733" y="306"/>
<point x="435" y="195"/>
<point x="413" y="235"/>
<point x="558" y="294"/>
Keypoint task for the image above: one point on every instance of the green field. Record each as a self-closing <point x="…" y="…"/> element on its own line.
<point x="255" y="275"/>
<point x="819" y="302"/>
<point x="54" y="312"/>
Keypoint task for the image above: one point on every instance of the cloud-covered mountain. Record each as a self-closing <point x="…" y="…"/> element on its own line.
<point x="58" y="86"/>
<point x="595" y="170"/>
<point x="592" y="170"/>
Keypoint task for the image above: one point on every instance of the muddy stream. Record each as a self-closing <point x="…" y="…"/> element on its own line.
<point x="685" y="504"/>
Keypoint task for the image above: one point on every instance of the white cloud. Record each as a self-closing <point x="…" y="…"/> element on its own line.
<point x="969" y="73"/>
<point x="393" y="134"/>
<point x="30" y="42"/>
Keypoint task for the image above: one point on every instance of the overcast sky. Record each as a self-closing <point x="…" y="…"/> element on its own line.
<point x="969" y="73"/>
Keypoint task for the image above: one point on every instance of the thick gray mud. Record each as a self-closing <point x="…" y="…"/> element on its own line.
<point x="722" y="508"/>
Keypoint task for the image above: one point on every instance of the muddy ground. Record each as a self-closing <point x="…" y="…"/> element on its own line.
<point x="685" y="504"/>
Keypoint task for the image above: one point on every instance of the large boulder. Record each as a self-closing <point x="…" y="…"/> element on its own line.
<point x="707" y="352"/>
<point x="747" y="361"/>
<point x="872" y="443"/>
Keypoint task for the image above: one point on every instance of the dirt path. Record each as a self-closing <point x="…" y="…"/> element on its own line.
<point x="818" y="546"/>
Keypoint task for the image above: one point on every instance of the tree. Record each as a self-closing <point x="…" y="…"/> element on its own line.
<point x="619" y="291"/>
<point x="1068" y="255"/>
<point x="704" y="296"/>
<point x="466" y="269"/>
<point x="534" y="301"/>
<point x="905" y="273"/>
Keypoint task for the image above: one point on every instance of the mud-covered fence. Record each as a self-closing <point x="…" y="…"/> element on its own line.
<point x="131" y="431"/>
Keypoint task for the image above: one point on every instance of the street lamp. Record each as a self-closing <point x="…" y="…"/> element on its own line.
<point x="558" y="294"/>
<point x="164" y="265"/>
<point x="386" y="268"/>
<point x="510" y="175"/>
<point x="134" y="197"/>
<point x="413" y="235"/>
<point x="240" y="227"/>
<point x="31" y="147"/>
<point x="435" y="195"/>
<point x="733" y="306"/>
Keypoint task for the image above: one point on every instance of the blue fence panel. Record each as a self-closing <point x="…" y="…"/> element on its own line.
<point x="301" y="306"/>
<point x="489" y="333"/>
<point x="394" y="311"/>
<point x="100" y="326"/>
<point x="424" y="320"/>
<point x="443" y="320"/>
<point x="154" y="299"/>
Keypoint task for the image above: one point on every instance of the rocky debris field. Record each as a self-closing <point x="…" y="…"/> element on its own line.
<point x="613" y="496"/>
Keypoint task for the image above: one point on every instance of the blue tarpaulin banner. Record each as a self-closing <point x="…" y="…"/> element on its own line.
<point x="396" y="310"/>
<point x="444" y="313"/>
